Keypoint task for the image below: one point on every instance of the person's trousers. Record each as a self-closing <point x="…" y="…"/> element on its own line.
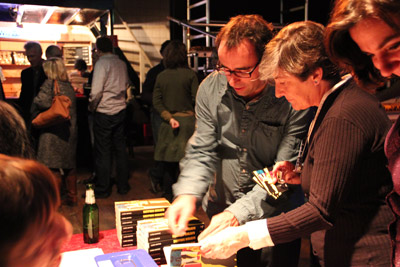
<point x="286" y="254"/>
<point x="171" y="173"/>
<point x="109" y="140"/>
<point x="66" y="179"/>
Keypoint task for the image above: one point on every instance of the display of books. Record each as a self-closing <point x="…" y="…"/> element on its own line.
<point x="153" y="234"/>
<point x="128" y="213"/>
<point x="188" y="255"/>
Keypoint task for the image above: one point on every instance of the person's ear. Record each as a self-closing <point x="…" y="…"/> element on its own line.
<point x="317" y="75"/>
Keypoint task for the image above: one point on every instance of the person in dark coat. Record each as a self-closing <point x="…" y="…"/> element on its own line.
<point x="57" y="143"/>
<point x="31" y="80"/>
<point x="156" y="172"/>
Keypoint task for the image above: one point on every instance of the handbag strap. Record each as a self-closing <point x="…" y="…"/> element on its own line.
<point x="56" y="88"/>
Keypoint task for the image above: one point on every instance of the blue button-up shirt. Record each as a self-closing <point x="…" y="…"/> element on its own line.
<point x="233" y="138"/>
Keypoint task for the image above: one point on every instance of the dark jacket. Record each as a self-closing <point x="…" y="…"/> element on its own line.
<point x="31" y="80"/>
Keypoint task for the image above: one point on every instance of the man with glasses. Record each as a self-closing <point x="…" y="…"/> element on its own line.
<point x="241" y="127"/>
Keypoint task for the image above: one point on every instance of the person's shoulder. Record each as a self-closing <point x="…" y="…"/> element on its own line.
<point x="213" y="86"/>
<point x="26" y="71"/>
<point x="356" y="104"/>
<point x="353" y="96"/>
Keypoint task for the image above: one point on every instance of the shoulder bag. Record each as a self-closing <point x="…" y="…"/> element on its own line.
<point x="57" y="113"/>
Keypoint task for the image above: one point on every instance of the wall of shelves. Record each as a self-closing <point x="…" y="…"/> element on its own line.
<point x="13" y="60"/>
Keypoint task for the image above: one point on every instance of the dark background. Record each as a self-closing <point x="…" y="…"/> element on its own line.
<point x="222" y="10"/>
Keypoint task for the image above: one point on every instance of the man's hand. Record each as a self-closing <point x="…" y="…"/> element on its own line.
<point x="219" y="222"/>
<point x="288" y="175"/>
<point x="179" y="212"/>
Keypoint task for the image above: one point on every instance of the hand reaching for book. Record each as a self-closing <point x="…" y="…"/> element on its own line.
<point x="225" y="243"/>
<point x="218" y="223"/>
<point x="179" y="212"/>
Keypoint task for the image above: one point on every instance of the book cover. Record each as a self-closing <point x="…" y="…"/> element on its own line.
<point x="188" y="255"/>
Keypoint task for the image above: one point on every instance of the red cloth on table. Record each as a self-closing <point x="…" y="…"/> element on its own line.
<point x="108" y="242"/>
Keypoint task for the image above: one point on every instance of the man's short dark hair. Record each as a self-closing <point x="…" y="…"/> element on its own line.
<point x="53" y="51"/>
<point x="80" y="64"/>
<point x="104" y="44"/>
<point x="33" y="45"/>
<point x="163" y="46"/>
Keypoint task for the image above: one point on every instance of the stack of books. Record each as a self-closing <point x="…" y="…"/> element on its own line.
<point x="128" y="213"/>
<point x="153" y="234"/>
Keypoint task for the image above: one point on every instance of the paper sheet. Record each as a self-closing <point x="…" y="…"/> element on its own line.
<point x="80" y="258"/>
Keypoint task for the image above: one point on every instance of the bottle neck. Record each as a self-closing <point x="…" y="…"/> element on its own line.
<point x="90" y="198"/>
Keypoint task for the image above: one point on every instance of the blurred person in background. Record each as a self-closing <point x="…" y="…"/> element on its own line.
<point x="80" y="76"/>
<point x="107" y="102"/>
<point x="156" y="172"/>
<point x="57" y="143"/>
<point x="53" y="51"/>
<point x="174" y="98"/>
<point x="31" y="80"/>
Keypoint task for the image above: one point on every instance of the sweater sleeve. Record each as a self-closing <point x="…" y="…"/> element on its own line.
<point x="336" y="151"/>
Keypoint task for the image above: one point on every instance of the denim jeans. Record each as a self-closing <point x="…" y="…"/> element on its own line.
<point x="109" y="141"/>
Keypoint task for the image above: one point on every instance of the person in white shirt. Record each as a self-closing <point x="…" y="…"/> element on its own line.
<point x="107" y="103"/>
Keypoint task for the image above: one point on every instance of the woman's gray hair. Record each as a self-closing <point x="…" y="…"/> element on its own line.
<point x="299" y="50"/>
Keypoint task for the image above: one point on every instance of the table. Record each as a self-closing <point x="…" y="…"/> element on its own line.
<point x="108" y="242"/>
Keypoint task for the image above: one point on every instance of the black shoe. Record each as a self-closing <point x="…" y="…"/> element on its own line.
<point x="124" y="190"/>
<point x="100" y="194"/>
<point x="155" y="185"/>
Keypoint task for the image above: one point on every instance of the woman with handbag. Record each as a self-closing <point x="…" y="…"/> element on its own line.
<point x="57" y="142"/>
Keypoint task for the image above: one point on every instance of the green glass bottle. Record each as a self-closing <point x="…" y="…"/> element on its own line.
<point x="90" y="217"/>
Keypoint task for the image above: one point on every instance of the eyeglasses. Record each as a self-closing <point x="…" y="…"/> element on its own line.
<point x="237" y="73"/>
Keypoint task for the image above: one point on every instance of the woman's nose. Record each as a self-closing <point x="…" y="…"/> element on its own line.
<point x="385" y="65"/>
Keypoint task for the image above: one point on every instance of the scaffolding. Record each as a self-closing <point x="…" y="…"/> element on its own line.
<point x="290" y="7"/>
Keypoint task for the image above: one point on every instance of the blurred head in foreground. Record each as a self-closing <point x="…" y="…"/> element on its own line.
<point x="31" y="229"/>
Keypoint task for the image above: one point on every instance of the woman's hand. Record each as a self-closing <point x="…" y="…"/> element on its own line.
<point x="284" y="170"/>
<point x="174" y="123"/>
<point x="225" y="243"/>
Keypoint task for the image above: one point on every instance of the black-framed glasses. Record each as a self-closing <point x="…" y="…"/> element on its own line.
<point x="237" y="73"/>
